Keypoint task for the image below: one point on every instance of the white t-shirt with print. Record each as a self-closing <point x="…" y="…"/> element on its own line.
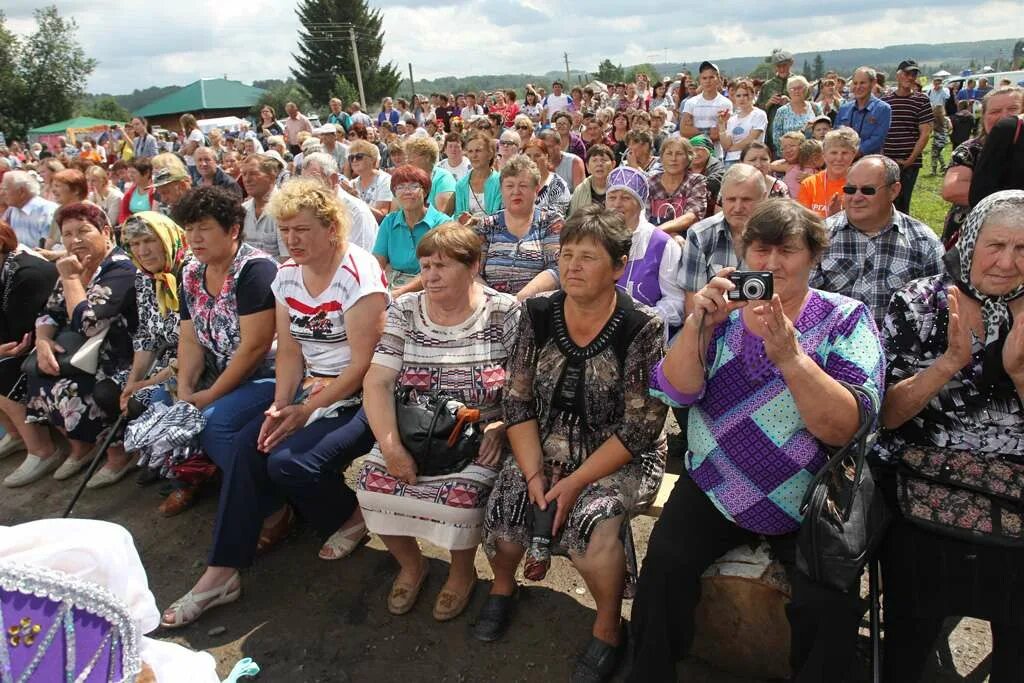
<point x="457" y="171"/>
<point x="740" y="128"/>
<point x="705" y="113"/>
<point x="195" y="136"/>
<point x="317" y="323"/>
<point x="555" y="103"/>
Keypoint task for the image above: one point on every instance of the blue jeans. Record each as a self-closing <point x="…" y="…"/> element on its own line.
<point x="304" y="469"/>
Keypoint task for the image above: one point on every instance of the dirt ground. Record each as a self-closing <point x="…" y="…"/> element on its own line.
<point x="305" y="620"/>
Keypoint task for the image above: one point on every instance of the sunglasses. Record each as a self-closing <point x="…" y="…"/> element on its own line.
<point x="357" y="157"/>
<point x="866" y="190"/>
<point x="508" y="143"/>
<point x="524" y="127"/>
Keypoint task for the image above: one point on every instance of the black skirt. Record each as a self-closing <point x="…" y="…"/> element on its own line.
<point x="12" y="379"/>
<point x="928" y="575"/>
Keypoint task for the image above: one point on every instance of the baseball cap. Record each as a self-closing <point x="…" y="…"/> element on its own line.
<point x="707" y="65"/>
<point x="908" y="65"/>
<point x="326" y="129"/>
<point x="780" y="56"/>
<point x="821" y="119"/>
<point x="166" y="175"/>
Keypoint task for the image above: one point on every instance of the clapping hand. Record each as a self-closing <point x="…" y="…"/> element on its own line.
<point x="16" y="348"/>
<point x="958" y="336"/>
<point x="1013" y="347"/>
<point x="777" y="332"/>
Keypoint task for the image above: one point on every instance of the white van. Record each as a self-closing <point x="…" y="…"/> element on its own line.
<point x="993" y="77"/>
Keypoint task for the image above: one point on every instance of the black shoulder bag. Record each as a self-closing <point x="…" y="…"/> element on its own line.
<point x="441" y="433"/>
<point x="844" y="515"/>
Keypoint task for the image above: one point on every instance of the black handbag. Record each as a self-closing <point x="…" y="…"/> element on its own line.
<point x="71" y="342"/>
<point x="844" y="512"/>
<point x="441" y="433"/>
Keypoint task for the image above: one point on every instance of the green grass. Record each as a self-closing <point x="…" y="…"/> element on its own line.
<point x="927" y="204"/>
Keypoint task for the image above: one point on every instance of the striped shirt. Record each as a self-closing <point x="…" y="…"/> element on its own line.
<point x="509" y="262"/>
<point x="317" y="323"/>
<point x="909" y="113"/>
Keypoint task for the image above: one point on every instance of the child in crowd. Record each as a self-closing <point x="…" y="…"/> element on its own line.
<point x="790" y="144"/>
<point x="940" y="137"/>
<point x="810" y="160"/>
<point x="820" y="126"/>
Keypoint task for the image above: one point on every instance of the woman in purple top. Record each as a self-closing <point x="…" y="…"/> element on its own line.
<point x="761" y="378"/>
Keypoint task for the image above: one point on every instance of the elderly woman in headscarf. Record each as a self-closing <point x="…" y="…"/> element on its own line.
<point x="156" y="245"/>
<point x="954" y="347"/>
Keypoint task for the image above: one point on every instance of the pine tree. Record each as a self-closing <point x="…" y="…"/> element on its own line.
<point x="806" y="73"/>
<point x="325" y="50"/>
<point x="819" y="67"/>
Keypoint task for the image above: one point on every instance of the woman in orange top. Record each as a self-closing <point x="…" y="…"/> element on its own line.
<point x="822" y="192"/>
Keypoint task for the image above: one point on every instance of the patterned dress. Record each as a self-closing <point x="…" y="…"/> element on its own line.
<point x="509" y="263"/>
<point x="750" y="451"/>
<point x="154" y="331"/>
<point x="554" y="194"/>
<point x="467" y="361"/>
<point x="610" y="400"/>
<point x="67" y="402"/>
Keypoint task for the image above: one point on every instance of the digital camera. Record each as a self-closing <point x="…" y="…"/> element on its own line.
<point x="751" y="285"/>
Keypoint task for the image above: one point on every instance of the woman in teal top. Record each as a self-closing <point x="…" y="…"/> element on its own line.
<point x="401" y="230"/>
<point x="478" y="193"/>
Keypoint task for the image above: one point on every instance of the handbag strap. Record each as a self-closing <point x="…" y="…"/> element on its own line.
<point x="858" y="440"/>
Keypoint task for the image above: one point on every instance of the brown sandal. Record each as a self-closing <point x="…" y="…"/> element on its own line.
<point x="272" y="535"/>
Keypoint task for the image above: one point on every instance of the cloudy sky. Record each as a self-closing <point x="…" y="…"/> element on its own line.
<point x="166" y="43"/>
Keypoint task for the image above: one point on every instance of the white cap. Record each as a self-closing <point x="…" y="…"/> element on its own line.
<point x="326" y="129"/>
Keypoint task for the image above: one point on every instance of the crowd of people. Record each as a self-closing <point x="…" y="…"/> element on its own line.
<point x="268" y="308"/>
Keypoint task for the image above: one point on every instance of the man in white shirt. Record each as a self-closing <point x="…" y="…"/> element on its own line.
<point x="555" y="101"/>
<point x="359" y="116"/>
<point x="700" y="112"/>
<point x="328" y="134"/>
<point x="938" y="95"/>
<point x="322" y="167"/>
<point x="471" y="109"/>
<point x="28" y="214"/>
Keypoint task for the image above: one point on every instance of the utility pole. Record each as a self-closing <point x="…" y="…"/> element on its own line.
<point x="359" y="71"/>
<point x="412" y="85"/>
<point x="567" y="77"/>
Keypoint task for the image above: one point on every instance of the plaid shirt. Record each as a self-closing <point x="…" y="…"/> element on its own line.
<point x="709" y="248"/>
<point x="871" y="268"/>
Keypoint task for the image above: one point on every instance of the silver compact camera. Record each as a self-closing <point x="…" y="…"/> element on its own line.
<point x="751" y="285"/>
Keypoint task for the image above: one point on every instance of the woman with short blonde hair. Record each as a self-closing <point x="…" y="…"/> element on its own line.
<point x="371" y="184"/>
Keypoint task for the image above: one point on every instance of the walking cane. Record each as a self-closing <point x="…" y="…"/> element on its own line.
<point x="111" y="434"/>
<point x="875" y="622"/>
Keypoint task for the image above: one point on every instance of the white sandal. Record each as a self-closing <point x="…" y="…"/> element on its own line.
<point x="187" y="609"/>
<point x="343" y="542"/>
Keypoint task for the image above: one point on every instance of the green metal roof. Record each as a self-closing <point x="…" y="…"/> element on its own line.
<point x="80" y="122"/>
<point x="206" y="93"/>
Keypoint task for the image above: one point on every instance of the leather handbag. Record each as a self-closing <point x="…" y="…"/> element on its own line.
<point x="844" y="512"/>
<point x="81" y="354"/>
<point x="974" y="497"/>
<point x="441" y="433"/>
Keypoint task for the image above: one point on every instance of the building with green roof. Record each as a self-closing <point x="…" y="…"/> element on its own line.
<point x="206" y="98"/>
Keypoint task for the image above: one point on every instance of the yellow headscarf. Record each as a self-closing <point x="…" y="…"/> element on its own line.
<point x="175" y="251"/>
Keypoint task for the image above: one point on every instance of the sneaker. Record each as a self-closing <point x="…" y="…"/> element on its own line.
<point x="32" y="469"/>
<point x="11" y="444"/>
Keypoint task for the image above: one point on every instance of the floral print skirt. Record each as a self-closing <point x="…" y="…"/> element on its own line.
<point x="67" y="403"/>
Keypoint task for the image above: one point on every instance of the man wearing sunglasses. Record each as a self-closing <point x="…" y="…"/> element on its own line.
<point x="875" y="249"/>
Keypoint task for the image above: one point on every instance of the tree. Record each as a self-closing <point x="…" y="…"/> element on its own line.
<point x="763" y="71"/>
<point x="648" y="69"/>
<point x="807" y="71"/>
<point x="54" y="68"/>
<point x="325" y="49"/>
<point x="280" y="95"/>
<point x="609" y="73"/>
<point x="106" y="107"/>
<point x="819" y="67"/>
<point x="42" y="77"/>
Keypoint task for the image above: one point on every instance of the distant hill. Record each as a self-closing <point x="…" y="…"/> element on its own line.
<point x="950" y="56"/>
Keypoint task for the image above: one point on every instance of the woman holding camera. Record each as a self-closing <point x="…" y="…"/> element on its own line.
<point x="761" y="380"/>
<point x="454" y="337"/>
<point x="586" y="435"/>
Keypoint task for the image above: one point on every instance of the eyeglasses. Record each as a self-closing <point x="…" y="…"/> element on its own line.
<point x="866" y="190"/>
<point x="508" y="143"/>
<point x="408" y="187"/>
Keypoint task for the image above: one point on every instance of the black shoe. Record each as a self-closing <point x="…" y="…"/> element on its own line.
<point x="147" y="476"/>
<point x="599" y="661"/>
<point x="494" y="617"/>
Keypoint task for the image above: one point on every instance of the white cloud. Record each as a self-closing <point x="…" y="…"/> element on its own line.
<point x="147" y="44"/>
